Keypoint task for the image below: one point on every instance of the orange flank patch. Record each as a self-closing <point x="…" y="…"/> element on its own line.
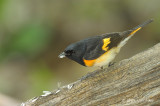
<point x="106" y="41"/>
<point x="89" y="63"/>
<point x="135" y="31"/>
<point x="99" y="60"/>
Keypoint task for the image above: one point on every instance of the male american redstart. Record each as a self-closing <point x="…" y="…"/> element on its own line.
<point x="99" y="50"/>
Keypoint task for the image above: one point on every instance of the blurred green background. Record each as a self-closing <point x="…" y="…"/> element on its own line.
<point x="34" y="32"/>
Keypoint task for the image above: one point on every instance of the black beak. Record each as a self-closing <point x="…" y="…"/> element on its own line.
<point x="62" y="55"/>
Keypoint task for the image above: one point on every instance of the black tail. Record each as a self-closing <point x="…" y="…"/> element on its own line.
<point x="143" y="24"/>
<point x="137" y="28"/>
<point x="131" y="32"/>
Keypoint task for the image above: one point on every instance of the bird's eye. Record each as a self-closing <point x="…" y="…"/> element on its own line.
<point x="69" y="52"/>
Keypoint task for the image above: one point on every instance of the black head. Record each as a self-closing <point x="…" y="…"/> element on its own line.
<point x="75" y="52"/>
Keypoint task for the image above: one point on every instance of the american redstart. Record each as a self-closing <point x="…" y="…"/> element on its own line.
<point x="99" y="50"/>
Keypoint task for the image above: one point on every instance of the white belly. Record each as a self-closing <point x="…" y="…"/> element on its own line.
<point x="106" y="58"/>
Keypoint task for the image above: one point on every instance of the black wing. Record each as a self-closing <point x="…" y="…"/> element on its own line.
<point x="94" y="45"/>
<point x="115" y="38"/>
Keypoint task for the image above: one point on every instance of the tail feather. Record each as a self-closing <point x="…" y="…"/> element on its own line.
<point x="135" y="29"/>
<point x="143" y="24"/>
<point x="128" y="34"/>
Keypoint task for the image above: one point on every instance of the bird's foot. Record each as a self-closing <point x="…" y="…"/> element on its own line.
<point x="101" y="67"/>
<point x="111" y="64"/>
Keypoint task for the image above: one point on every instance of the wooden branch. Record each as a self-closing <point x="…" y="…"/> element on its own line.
<point x="134" y="81"/>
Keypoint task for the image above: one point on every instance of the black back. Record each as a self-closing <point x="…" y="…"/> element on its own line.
<point x="94" y="44"/>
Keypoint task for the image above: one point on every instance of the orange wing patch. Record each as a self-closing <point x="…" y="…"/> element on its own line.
<point x="135" y="31"/>
<point x="89" y="63"/>
<point x="106" y="41"/>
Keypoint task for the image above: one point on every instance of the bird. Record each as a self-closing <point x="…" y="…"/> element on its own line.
<point x="100" y="50"/>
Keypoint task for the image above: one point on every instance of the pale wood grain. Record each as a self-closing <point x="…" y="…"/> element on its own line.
<point x="133" y="81"/>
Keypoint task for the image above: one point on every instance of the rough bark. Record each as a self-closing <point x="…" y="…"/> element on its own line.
<point x="133" y="81"/>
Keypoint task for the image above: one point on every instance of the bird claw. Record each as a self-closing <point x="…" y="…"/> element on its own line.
<point x="111" y="64"/>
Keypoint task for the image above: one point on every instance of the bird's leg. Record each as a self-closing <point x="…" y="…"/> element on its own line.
<point x="111" y="64"/>
<point x="102" y="67"/>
